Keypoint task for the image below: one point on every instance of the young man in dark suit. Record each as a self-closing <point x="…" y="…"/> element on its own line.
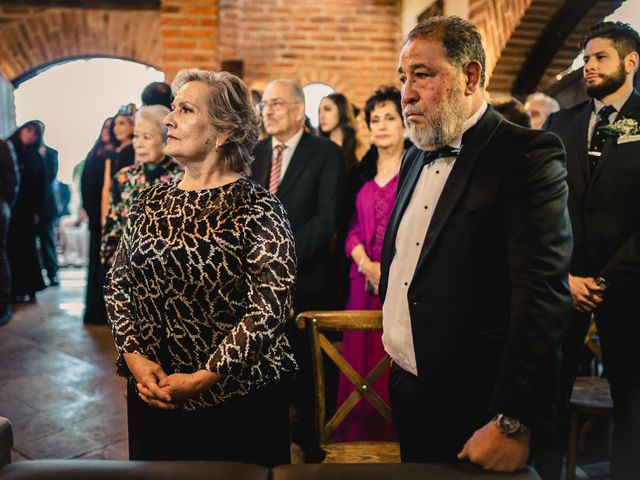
<point x="306" y="173"/>
<point x="474" y="264"/>
<point x="603" y="165"/>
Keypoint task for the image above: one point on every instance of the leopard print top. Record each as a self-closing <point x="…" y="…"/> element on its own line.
<point x="203" y="280"/>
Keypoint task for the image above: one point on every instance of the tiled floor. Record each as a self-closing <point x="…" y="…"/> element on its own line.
<point x="57" y="381"/>
<point x="59" y="389"/>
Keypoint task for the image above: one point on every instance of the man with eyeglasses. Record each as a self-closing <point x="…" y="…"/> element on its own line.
<point x="306" y="173"/>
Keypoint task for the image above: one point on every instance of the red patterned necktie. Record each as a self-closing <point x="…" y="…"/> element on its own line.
<point x="276" y="168"/>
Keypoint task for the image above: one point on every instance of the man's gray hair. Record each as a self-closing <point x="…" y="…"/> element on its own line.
<point x="154" y="114"/>
<point x="460" y="38"/>
<point x="551" y="102"/>
<point x="296" y="90"/>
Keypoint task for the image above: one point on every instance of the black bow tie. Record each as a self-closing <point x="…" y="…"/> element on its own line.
<point x="443" y="152"/>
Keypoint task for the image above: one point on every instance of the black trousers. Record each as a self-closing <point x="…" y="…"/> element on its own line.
<point x="433" y="422"/>
<point x="618" y="322"/>
<point x="253" y="428"/>
<point x="95" y="311"/>
<point x="48" y="252"/>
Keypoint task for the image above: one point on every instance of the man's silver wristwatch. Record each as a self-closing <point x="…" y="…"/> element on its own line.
<point x="509" y="426"/>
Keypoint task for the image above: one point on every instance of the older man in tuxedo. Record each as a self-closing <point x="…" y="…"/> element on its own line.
<point x="474" y="264"/>
<point x="602" y="138"/>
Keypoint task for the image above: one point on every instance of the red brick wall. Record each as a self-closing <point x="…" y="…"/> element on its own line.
<point x="188" y="31"/>
<point x="496" y="20"/>
<point x="350" y="44"/>
<point x="31" y="37"/>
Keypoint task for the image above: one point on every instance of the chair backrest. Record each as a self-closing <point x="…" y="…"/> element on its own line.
<point x="316" y="324"/>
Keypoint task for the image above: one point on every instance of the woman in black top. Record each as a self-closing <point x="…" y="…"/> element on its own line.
<point x="21" y="246"/>
<point x="8" y="185"/>
<point x="200" y="290"/>
<point x="91" y="189"/>
<point x="338" y="124"/>
<point x="121" y="131"/>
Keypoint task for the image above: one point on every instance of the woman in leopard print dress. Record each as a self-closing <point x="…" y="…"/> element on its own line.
<point x="200" y="290"/>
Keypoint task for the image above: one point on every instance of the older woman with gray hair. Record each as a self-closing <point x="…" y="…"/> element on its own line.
<point x="200" y="291"/>
<point x="151" y="166"/>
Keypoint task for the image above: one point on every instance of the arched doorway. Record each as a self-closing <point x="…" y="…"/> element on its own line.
<point x="73" y="97"/>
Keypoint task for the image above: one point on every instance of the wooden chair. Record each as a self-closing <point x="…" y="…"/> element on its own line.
<point x="316" y="324"/>
<point x="590" y="396"/>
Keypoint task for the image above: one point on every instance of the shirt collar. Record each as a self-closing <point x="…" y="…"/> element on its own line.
<point x="598" y="105"/>
<point x="291" y="144"/>
<point x="468" y="123"/>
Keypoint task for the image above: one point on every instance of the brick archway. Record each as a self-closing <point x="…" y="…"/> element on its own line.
<point x="59" y="34"/>
<point x="544" y="43"/>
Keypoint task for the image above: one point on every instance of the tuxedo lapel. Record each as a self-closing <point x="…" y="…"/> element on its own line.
<point x="581" y="139"/>
<point x="262" y="163"/>
<point x="473" y="141"/>
<point x="405" y="190"/>
<point x="630" y="109"/>
<point x="297" y="164"/>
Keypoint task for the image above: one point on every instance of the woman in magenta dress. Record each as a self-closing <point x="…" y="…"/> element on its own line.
<point x="363" y="246"/>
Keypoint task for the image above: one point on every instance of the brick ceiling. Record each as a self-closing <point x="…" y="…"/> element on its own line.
<point x="545" y="43"/>
<point x="101" y="4"/>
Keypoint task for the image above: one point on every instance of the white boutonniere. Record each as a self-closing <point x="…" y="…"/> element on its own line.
<point x="625" y="127"/>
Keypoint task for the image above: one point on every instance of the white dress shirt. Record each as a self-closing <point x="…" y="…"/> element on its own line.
<point x="287" y="153"/>
<point x="598" y="105"/>
<point x="396" y="318"/>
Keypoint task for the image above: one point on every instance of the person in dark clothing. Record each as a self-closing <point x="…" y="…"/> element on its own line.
<point x="49" y="219"/>
<point x="512" y="110"/>
<point x="21" y="246"/>
<point x="122" y="156"/>
<point x="8" y="186"/>
<point x="62" y="192"/>
<point x="601" y="137"/>
<point x="157" y="93"/>
<point x="121" y="132"/>
<point x="91" y="191"/>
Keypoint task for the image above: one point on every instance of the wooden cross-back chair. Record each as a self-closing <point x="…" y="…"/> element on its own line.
<point x="317" y="323"/>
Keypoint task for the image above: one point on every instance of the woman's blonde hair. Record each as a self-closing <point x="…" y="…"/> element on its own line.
<point x="231" y="112"/>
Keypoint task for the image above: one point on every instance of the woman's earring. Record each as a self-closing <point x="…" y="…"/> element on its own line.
<point x="218" y="147"/>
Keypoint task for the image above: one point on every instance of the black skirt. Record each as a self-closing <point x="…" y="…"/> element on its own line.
<point x="253" y="428"/>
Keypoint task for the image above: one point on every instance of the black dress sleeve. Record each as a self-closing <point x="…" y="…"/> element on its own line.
<point x="270" y="276"/>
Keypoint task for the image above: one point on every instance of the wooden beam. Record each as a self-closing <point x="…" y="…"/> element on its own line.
<point x="550" y="41"/>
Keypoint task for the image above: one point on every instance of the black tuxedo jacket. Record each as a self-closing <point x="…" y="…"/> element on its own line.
<point x="489" y="299"/>
<point x="605" y="206"/>
<point x="310" y="191"/>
